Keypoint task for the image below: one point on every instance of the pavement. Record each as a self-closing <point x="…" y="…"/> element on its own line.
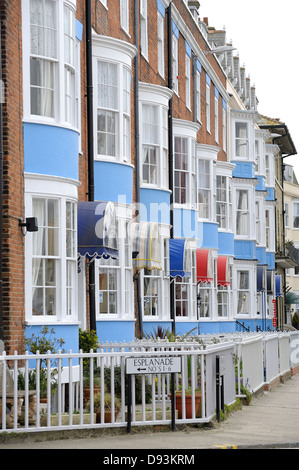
<point x="271" y="421"/>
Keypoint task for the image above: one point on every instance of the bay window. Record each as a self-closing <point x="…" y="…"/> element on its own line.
<point x="43" y="56"/>
<point x="205" y="299"/>
<point x="223" y="301"/>
<point x="241" y="140"/>
<point x="51" y="257"/>
<point x="242" y="212"/>
<point x="185" y="291"/>
<point x="243" y="293"/>
<point x="113" y="109"/>
<point x="184" y="171"/>
<point x="223" y="202"/>
<point x="51" y="62"/>
<point x="154" y="145"/>
<point x="114" y="279"/>
<point x="204" y="189"/>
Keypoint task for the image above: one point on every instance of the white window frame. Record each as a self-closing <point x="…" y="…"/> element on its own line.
<point x="187" y="285"/>
<point x="122" y="267"/>
<point x="60" y="91"/>
<point x="124" y="15"/>
<point x="160" y="31"/>
<point x="224" y="129"/>
<point x="175" y="63"/>
<point x="242" y="141"/>
<point x="245" y="291"/>
<point x="295" y="215"/>
<point x="224" y="218"/>
<point x="208" y="107"/>
<point x="216" y="103"/>
<point x="245" y="233"/>
<point x="186" y="131"/>
<point x="188" y="80"/>
<point x="198" y="96"/>
<point x="287" y="214"/>
<point x="49" y="188"/>
<point x="144" y="28"/>
<point x="157" y="98"/>
<point x="117" y="54"/>
<point x="161" y="301"/>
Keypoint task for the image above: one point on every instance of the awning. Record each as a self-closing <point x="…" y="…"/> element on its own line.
<point x="223" y="274"/>
<point x="292" y="298"/>
<point x="204" y="266"/>
<point x="179" y="258"/>
<point x="260" y="279"/>
<point x="97" y="232"/>
<point x="278" y="287"/>
<point x="270" y="283"/>
<point x="146" y="244"/>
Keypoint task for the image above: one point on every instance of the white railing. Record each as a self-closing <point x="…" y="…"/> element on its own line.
<point x="67" y="407"/>
<point x="247" y="361"/>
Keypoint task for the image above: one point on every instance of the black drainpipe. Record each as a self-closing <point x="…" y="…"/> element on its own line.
<point x="1" y="184"/>
<point x="137" y="156"/>
<point x="170" y="151"/>
<point x="90" y="149"/>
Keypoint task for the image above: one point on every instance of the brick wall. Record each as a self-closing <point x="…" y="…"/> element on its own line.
<point x="13" y="174"/>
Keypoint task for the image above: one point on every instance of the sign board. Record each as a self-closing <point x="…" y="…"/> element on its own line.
<point x="153" y="365"/>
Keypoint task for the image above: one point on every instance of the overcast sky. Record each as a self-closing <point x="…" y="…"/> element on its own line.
<point x="265" y="33"/>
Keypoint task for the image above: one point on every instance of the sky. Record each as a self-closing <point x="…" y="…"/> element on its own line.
<point x="265" y="34"/>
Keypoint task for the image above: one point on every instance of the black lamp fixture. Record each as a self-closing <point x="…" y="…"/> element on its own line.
<point x="30" y="224"/>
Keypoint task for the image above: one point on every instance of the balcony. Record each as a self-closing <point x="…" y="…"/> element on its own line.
<point x="287" y="258"/>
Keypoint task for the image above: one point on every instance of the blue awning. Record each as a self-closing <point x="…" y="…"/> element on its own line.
<point x="97" y="232"/>
<point x="278" y="287"/>
<point x="260" y="279"/>
<point x="179" y="258"/>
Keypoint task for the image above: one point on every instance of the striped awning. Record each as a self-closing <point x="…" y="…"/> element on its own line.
<point x="179" y="258"/>
<point x="223" y="274"/>
<point x="146" y="244"/>
<point x="204" y="266"/>
<point x="97" y="230"/>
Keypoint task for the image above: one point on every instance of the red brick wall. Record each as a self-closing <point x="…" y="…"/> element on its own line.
<point x="13" y="173"/>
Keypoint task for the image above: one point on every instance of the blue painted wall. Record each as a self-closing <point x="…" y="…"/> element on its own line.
<point x="185" y="223"/>
<point x="244" y="170"/>
<point x="271" y="194"/>
<point x="245" y="249"/>
<point x="261" y="186"/>
<point x="51" y="150"/>
<point x="270" y="260"/>
<point x="261" y="255"/>
<point x="209" y="233"/>
<point x="113" y="182"/>
<point x="70" y="334"/>
<point x="115" y="331"/>
<point x="155" y="206"/>
<point x="226" y="244"/>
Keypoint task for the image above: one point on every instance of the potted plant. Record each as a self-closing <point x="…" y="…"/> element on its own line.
<point x="188" y="402"/>
<point x="86" y="387"/>
<point x="107" y="407"/>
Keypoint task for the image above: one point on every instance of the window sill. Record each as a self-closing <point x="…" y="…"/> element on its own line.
<point x="52" y="123"/>
<point x="112" y="160"/>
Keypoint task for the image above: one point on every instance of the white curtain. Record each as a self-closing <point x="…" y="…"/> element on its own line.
<point x="38" y="243"/>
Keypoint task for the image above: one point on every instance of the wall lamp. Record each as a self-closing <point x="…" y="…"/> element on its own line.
<point x="30" y="224"/>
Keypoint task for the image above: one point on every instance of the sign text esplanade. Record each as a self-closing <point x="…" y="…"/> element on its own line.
<point x="153" y="365"/>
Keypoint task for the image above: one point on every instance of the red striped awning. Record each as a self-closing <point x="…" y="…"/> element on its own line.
<point x="204" y="266"/>
<point x="223" y="275"/>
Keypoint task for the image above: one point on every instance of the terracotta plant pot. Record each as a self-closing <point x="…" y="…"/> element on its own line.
<point x="107" y="417"/>
<point x="188" y="404"/>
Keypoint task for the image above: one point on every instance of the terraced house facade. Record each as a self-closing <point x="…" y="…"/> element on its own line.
<point x="138" y="175"/>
